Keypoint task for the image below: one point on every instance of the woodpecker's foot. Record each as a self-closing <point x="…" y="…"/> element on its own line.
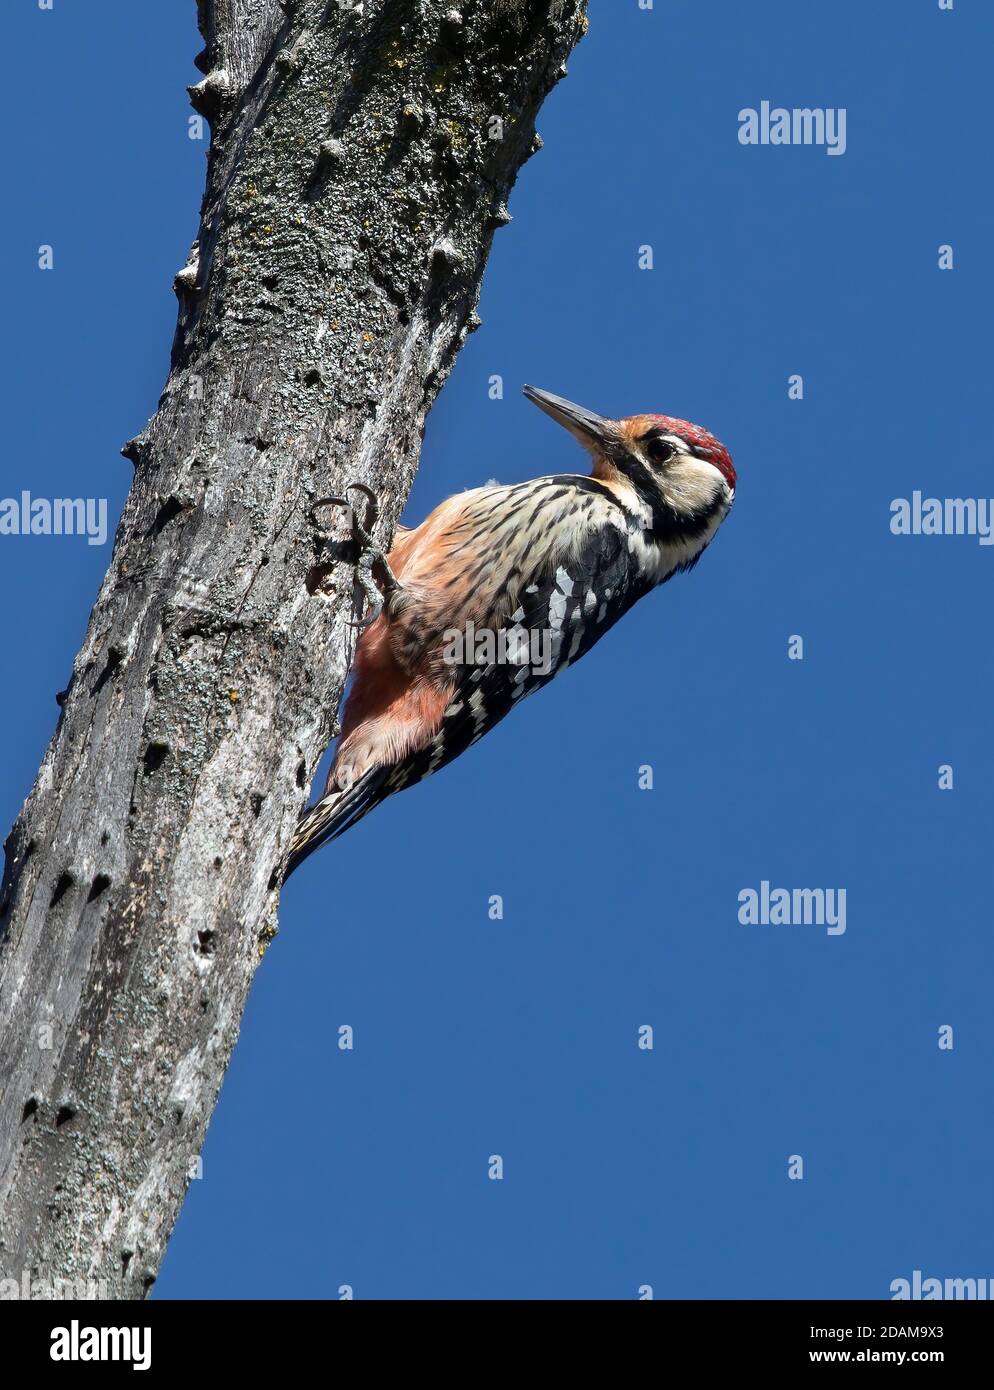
<point x="370" y="556"/>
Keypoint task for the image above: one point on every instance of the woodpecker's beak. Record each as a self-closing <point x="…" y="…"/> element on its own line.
<point x="593" y="431"/>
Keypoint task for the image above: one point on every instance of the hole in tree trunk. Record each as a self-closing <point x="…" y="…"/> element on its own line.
<point x="100" y="883"/>
<point x="155" y="755"/>
<point x="113" y="662"/>
<point x="168" y="512"/>
<point x="64" y="883"/>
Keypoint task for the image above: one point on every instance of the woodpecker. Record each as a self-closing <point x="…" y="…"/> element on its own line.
<point x="559" y="559"/>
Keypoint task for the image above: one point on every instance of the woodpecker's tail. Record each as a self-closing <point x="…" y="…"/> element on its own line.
<point x="333" y="815"/>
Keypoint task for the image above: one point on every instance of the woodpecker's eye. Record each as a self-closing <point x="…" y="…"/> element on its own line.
<point x="659" y="449"/>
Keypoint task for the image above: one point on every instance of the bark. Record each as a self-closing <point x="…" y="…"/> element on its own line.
<point x="355" y="179"/>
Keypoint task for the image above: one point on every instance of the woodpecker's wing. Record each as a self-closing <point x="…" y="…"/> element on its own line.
<point x="544" y="569"/>
<point x="566" y="599"/>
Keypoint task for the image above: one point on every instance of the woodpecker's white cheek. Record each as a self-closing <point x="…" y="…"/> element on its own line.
<point x="691" y="486"/>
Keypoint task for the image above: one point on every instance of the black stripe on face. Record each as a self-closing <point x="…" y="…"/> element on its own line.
<point x="667" y="523"/>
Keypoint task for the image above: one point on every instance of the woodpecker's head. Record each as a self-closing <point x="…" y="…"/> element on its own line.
<point x="681" y="476"/>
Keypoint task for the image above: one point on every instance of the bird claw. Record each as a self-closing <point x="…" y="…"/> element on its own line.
<point x="361" y="530"/>
<point x="364" y="578"/>
<point x="370" y="555"/>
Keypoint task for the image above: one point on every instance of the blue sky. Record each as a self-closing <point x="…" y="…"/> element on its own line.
<point x="622" y="1167"/>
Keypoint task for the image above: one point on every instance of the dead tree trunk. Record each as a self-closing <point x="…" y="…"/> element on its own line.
<point x="362" y="155"/>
